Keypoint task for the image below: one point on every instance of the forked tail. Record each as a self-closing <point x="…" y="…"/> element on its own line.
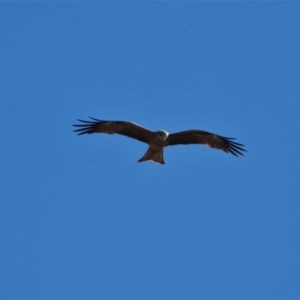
<point x="155" y="155"/>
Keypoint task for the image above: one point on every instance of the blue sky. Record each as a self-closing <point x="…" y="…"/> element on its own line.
<point x="81" y="219"/>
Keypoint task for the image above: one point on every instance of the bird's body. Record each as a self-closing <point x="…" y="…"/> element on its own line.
<point x="160" y="139"/>
<point x="156" y="144"/>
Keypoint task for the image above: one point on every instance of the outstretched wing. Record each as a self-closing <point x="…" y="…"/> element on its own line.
<point x="207" y="138"/>
<point x="129" y="129"/>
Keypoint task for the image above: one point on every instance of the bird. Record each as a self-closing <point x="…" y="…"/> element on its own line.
<point x="158" y="140"/>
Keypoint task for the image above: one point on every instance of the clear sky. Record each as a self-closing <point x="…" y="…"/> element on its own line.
<point x="81" y="219"/>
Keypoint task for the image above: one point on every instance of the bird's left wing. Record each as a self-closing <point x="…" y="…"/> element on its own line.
<point x="207" y="138"/>
<point x="129" y="129"/>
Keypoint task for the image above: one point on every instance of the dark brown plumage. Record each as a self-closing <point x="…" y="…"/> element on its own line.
<point x="160" y="139"/>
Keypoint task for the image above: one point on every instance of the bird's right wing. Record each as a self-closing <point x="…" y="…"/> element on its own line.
<point x="206" y="138"/>
<point x="129" y="129"/>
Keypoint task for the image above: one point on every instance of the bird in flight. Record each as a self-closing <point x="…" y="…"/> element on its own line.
<point x="157" y="140"/>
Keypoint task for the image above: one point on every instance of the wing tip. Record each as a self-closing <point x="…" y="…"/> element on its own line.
<point x="86" y="127"/>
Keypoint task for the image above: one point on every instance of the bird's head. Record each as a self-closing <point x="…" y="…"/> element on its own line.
<point x="162" y="134"/>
